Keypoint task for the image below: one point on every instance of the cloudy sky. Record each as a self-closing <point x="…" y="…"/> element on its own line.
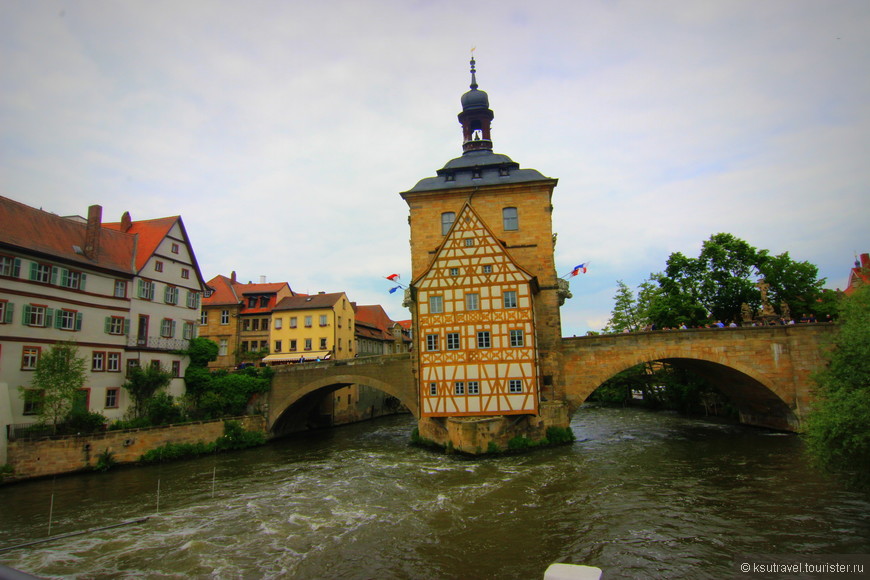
<point x="283" y="131"/>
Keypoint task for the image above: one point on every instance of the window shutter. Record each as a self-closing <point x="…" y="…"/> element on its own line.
<point x="82" y="281"/>
<point x="57" y="320"/>
<point x="25" y="315"/>
<point x="54" y="270"/>
<point x="107" y="324"/>
<point x="78" y="320"/>
<point x="10" y="307"/>
<point x="166" y="294"/>
<point x="33" y="270"/>
<point x="49" y="317"/>
<point x="171" y="329"/>
<point x="64" y="276"/>
<point x="127" y="326"/>
<point x="140" y="287"/>
<point x="16" y="267"/>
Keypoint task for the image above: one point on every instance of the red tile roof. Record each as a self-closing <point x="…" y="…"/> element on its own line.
<point x="860" y="274"/>
<point x="42" y="232"/>
<point x="150" y="232"/>
<point x="312" y="302"/>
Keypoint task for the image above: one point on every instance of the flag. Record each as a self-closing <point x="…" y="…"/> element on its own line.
<point x="578" y="269"/>
<point x="392" y="277"/>
<point x="394" y="289"/>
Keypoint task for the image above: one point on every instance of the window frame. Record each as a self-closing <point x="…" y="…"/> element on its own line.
<point x="30" y="357"/>
<point x="515" y="386"/>
<point x="517" y="338"/>
<point x="431" y="342"/>
<point x="453" y="341"/>
<point x="509" y="294"/>
<point x="472" y="301"/>
<point x="484" y="339"/>
<point x="448" y="218"/>
<point x="510" y="218"/>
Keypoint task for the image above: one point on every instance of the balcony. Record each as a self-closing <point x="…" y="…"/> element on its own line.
<point x="158" y="343"/>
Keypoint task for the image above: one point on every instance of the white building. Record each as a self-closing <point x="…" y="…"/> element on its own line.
<point x="127" y="293"/>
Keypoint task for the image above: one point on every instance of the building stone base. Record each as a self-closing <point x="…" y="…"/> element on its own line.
<point x="491" y="434"/>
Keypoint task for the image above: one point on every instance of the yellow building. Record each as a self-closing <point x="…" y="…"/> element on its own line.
<point x="308" y="328"/>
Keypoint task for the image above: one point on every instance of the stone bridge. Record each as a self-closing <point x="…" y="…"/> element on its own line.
<point x="764" y="371"/>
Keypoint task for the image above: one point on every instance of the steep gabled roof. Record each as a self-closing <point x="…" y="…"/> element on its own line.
<point x="223" y="292"/>
<point x="859" y="275"/>
<point x="372" y="321"/>
<point x="150" y="232"/>
<point x="34" y="230"/>
<point x="487" y="249"/>
<point x="270" y="288"/>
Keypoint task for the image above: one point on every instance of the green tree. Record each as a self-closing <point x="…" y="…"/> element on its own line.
<point x="202" y="351"/>
<point x="837" y="430"/>
<point x="59" y="376"/>
<point x="142" y="383"/>
<point x="624" y="315"/>
<point x="724" y="276"/>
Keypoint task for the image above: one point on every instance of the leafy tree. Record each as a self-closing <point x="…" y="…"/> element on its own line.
<point x="59" y="376"/>
<point x="724" y="276"/>
<point x="624" y="315"/>
<point x="142" y="383"/>
<point x="202" y="351"/>
<point x="837" y="430"/>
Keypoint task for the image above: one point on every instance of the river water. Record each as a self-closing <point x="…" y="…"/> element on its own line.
<point x="640" y="495"/>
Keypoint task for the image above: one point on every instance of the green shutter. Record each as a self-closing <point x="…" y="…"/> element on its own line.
<point x="82" y="282"/>
<point x="25" y="315"/>
<point x="140" y="287"/>
<point x="127" y="326"/>
<point x="49" y="317"/>
<point x="10" y="307"/>
<point x="107" y="324"/>
<point x="54" y="270"/>
<point x="33" y="270"/>
<point x="64" y="276"/>
<point x="57" y="320"/>
<point x="16" y="268"/>
<point x="78" y="320"/>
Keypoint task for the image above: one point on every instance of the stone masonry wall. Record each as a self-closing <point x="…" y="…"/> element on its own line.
<point x="69" y="454"/>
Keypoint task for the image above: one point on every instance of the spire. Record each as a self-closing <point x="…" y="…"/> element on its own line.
<point x="476" y="116"/>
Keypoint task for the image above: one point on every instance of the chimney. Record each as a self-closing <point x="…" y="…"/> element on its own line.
<point x="262" y="279"/>
<point x="92" y="233"/>
<point x="233" y="276"/>
<point x="126" y="222"/>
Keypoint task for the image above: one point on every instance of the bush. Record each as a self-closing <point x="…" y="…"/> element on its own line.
<point x="560" y="435"/>
<point x="81" y="421"/>
<point x="162" y="410"/>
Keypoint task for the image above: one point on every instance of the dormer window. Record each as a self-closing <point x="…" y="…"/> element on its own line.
<point x="503" y="171"/>
<point x="449" y="177"/>
<point x="476" y="173"/>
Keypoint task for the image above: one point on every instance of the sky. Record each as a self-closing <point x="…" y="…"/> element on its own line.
<point x="283" y="132"/>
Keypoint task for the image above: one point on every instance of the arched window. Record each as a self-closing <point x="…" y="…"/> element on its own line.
<point x="510" y="218"/>
<point x="447" y="219"/>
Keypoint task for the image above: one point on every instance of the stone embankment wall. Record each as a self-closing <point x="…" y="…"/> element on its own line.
<point x="59" y="455"/>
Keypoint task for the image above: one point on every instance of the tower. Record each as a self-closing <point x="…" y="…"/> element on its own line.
<point x="484" y="294"/>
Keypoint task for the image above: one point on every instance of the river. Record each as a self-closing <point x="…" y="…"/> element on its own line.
<point x="640" y="495"/>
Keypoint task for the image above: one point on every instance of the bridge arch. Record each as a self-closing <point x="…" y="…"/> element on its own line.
<point x="294" y="388"/>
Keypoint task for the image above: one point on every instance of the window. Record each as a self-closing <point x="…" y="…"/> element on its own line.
<point x="187" y="331"/>
<point x="454" y="271"/>
<point x="515" y="386"/>
<point x="176" y="368"/>
<point x="431" y="342"/>
<point x="469" y="242"/>
<point x="6" y="310"/>
<point x="433" y="389"/>
<point x="264" y="301"/>
<point x="264" y="324"/>
<point x="185" y="273"/>
<point x="40" y="272"/>
<point x="98" y="362"/>
<point x="203" y="317"/>
<point x="487" y="269"/>
<point x="37" y="315"/>
<point x="458" y="388"/>
<point x="120" y="289"/>
<point x="146" y="289"/>
<point x="517" y="338"/>
<point x="72" y="279"/>
<point x="225" y="317"/>
<point x="222" y="347"/>
<point x="510" y="299"/>
<point x="307" y="344"/>
<point x="472" y="301"/>
<point x="308" y="322"/>
<point x="292" y="344"/>
<point x="170" y="295"/>
<point x="29" y="357"/>
<point x="322" y="344"/>
<point x="116" y="325"/>
<point x="132" y="363"/>
<point x="483" y="339"/>
<point x="158" y="266"/>
<point x="246" y="324"/>
<point x="452" y="341"/>
<point x="473" y="388"/>
<point x="10" y="266"/>
<point x="33" y="401"/>
<point x="277" y="346"/>
<point x="255" y="324"/>
<point x="338" y="321"/>
<point x="112" y="396"/>
<point x="192" y="299"/>
<point x="510" y="218"/>
<point x="113" y="362"/>
<point x="167" y="328"/>
<point x="292" y="322"/>
<point x="68" y="320"/>
<point x="447" y="219"/>
<point x="436" y="304"/>
<point x="174" y="248"/>
<point x="243" y="346"/>
<point x="278" y="324"/>
<point x="155" y="364"/>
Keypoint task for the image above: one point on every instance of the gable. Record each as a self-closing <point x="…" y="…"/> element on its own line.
<point x="463" y="257"/>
